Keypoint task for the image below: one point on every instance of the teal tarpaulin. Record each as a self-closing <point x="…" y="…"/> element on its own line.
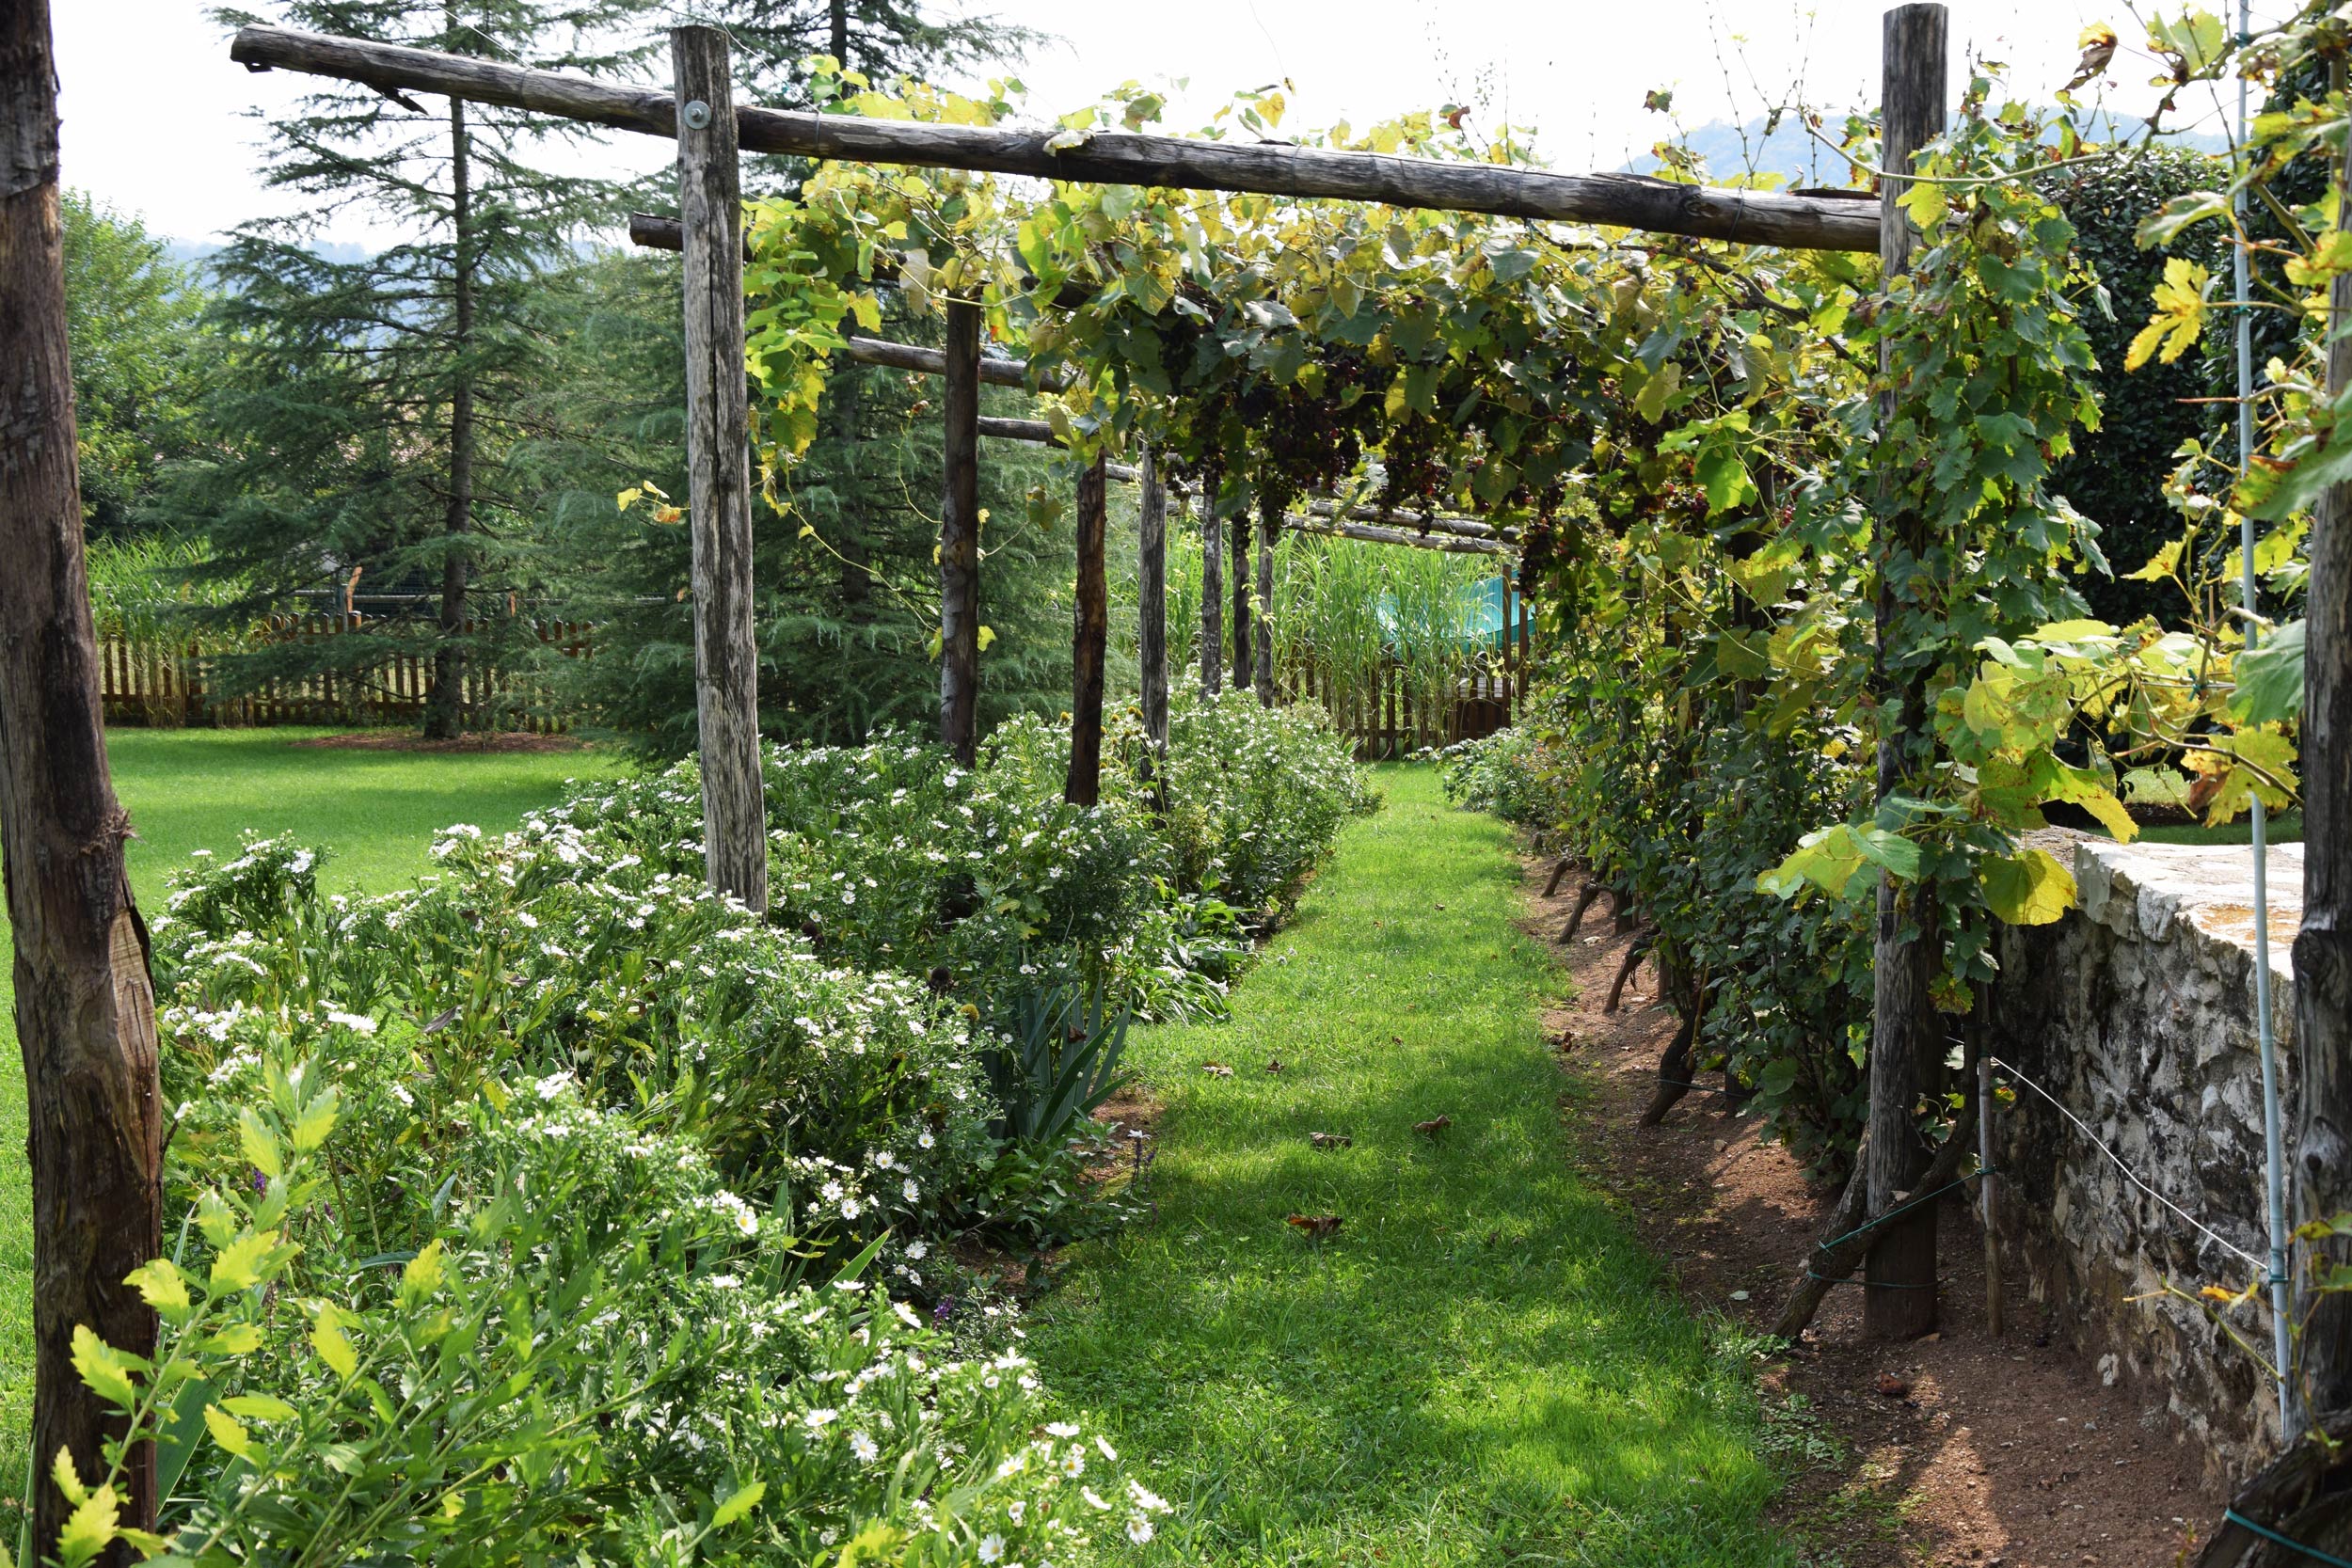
<point x="1493" y="617"/>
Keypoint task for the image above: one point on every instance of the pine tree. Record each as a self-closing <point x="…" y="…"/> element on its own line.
<point x="880" y="38"/>
<point x="368" y="421"/>
<point x="846" y="587"/>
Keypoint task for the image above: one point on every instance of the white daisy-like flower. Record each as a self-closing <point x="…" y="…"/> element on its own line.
<point x="1139" y="1529"/>
<point x="1094" y="1502"/>
<point x="1102" y="1445"/>
<point x="991" y="1548"/>
<point x="885" y="1159"/>
<point x="919" y="1249"/>
<point x="924" y="1141"/>
<point x="1074" y="1464"/>
<point x="911" y="1191"/>
<point x="1063" y="1429"/>
<point x="358" y="1023"/>
<point x="863" y="1446"/>
<point x="819" y="1418"/>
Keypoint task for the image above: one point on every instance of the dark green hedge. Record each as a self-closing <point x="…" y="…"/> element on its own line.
<point x="2116" y="475"/>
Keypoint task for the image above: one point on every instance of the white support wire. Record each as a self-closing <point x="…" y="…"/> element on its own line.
<point x="2129" y="1175"/>
<point x="2258" y="828"/>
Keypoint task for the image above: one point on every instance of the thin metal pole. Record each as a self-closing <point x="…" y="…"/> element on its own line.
<point x="2273" y="1140"/>
<point x="1984" y="1192"/>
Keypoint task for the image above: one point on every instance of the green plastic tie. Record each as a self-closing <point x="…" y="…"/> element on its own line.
<point x="1902" y="1209"/>
<point x="2233" y="1516"/>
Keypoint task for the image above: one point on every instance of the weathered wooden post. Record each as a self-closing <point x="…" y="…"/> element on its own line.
<point x="84" y="1007"/>
<point x="1151" y="618"/>
<point x="2323" y="947"/>
<point x="1242" y="655"/>
<point x="960" y="539"/>
<point x="1089" y="641"/>
<point x="1906" y="1043"/>
<point x="718" y="445"/>
<point x="1264" y="671"/>
<point x="1212" y="599"/>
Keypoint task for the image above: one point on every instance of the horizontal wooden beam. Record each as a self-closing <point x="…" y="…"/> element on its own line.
<point x="1036" y="432"/>
<point x="1305" y="522"/>
<point x="1108" y="157"/>
<point x="930" y="361"/>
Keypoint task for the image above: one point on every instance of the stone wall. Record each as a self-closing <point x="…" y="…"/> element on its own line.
<point x="2137" y="1013"/>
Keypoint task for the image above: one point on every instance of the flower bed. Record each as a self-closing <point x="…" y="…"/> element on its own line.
<point x="555" y="1206"/>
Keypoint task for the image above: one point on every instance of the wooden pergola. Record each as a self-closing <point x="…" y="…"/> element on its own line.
<point x="85" y="1005"/>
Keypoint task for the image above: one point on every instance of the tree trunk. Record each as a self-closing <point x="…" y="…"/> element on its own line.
<point x="445" y="704"/>
<point x="960" y="539"/>
<point x="1266" y="530"/>
<point x="1243" y="652"/>
<point x="1089" y="643"/>
<point x="1152" y="620"/>
<point x="718" y="446"/>
<point x="841" y="33"/>
<point x="84" y="1007"/>
<point x="1905" y="1042"/>
<point x="1211" y="601"/>
<point x="2323" y="948"/>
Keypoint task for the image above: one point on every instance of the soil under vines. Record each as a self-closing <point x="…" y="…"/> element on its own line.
<point x="2004" y="1452"/>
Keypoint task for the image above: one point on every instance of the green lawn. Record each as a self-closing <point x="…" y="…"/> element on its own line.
<point x="1482" y="1366"/>
<point x="373" y="813"/>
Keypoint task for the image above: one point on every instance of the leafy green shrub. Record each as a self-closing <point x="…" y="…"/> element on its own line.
<point x="575" y="1345"/>
<point x="985" y="883"/>
<point x="507" y="1190"/>
<point x="1256" y="798"/>
<point x="1514" y="773"/>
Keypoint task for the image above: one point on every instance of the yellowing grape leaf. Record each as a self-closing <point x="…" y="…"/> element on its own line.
<point x="103" y="1370"/>
<point x="2180" y="314"/>
<point x="2029" y="888"/>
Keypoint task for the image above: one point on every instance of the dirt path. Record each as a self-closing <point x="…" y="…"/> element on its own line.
<point x="2003" y="1452"/>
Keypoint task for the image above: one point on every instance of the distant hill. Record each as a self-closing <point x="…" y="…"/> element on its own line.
<point x="1803" y="161"/>
<point x="185" y="251"/>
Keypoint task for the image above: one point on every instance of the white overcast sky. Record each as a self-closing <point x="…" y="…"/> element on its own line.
<point x="156" y="116"/>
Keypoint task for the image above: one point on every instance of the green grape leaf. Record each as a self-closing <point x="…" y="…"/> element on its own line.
<point x="2270" y="678"/>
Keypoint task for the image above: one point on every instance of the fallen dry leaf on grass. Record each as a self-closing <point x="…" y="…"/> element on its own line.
<point x="1329" y="1140"/>
<point x="1273" y="1065"/>
<point x="1217" y="1069"/>
<point x="1318" y="1226"/>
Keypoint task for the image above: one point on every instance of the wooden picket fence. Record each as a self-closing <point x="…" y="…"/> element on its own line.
<point x="1393" y="722"/>
<point x="144" y="681"/>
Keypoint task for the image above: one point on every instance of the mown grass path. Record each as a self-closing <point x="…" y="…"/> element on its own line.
<point x="1481" y="1366"/>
